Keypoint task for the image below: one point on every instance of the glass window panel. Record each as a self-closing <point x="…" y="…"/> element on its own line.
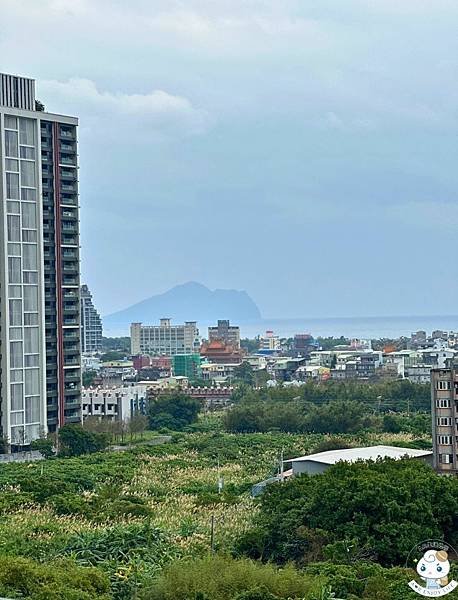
<point x="32" y="409"/>
<point x="15" y="334"/>
<point x="27" y="173"/>
<point x="31" y="340"/>
<point x="11" y="165"/>
<point x="27" y="152"/>
<point x="16" y="355"/>
<point x="13" y="207"/>
<point x="29" y="215"/>
<point x="15" y="310"/>
<point x="17" y="418"/>
<point x="10" y="122"/>
<point x="28" y="194"/>
<point x="31" y="319"/>
<point x="29" y="235"/>
<point x="17" y="396"/>
<point x="14" y="249"/>
<point x="30" y="277"/>
<point x="17" y="435"/>
<point x="32" y="382"/>
<point x="12" y="186"/>
<point x="14" y="228"/>
<point x="30" y="298"/>
<point x="31" y="360"/>
<point x="11" y="143"/>
<point x="16" y="375"/>
<point x="29" y="257"/>
<point x="27" y="132"/>
<point x="15" y="291"/>
<point x="32" y="432"/>
<point x="14" y="270"/>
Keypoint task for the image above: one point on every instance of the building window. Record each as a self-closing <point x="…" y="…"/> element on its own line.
<point x="16" y="355"/>
<point x="14" y="228"/>
<point x="443" y="385"/>
<point x="11" y="144"/>
<point x="27" y="132"/>
<point x="444" y="421"/>
<point x="446" y="459"/>
<point x="445" y="440"/>
<point x="443" y="403"/>
<point x="29" y="216"/>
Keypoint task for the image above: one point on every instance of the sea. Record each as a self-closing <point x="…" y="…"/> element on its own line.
<point x="351" y="327"/>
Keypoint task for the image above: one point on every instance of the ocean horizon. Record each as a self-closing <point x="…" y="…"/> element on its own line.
<point x="351" y="327"/>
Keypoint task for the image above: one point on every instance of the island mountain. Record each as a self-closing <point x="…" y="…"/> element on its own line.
<point x="187" y="302"/>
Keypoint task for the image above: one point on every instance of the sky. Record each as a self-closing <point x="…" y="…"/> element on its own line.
<point x="304" y="151"/>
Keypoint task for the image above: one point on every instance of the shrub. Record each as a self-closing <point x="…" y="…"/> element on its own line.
<point x="61" y="580"/>
<point x="74" y="441"/>
<point x="222" y="578"/>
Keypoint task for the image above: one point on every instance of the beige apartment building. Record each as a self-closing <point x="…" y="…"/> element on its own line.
<point x="165" y="339"/>
<point x="444" y="409"/>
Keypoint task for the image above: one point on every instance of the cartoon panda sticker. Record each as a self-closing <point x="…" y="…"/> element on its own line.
<point x="433" y="567"/>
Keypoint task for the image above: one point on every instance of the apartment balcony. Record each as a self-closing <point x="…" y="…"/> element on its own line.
<point x="65" y="187"/>
<point x="67" y="135"/>
<point x="69" y="161"/>
<point x="71" y="296"/>
<point x="69" y="228"/>
<point x="70" y="335"/>
<point x="69" y="240"/>
<point x="71" y="348"/>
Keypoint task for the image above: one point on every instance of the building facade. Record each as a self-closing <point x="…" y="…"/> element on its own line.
<point x="165" y="339"/>
<point x="187" y="365"/>
<point x="39" y="266"/>
<point x="114" y="403"/>
<point x="91" y="323"/>
<point x="225" y="332"/>
<point x="444" y="410"/>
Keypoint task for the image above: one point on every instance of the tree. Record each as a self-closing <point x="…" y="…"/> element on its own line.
<point x="44" y="445"/>
<point x="174" y="411"/>
<point x="137" y="424"/>
<point x="244" y="372"/>
<point x="74" y="441"/>
<point x="112" y="355"/>
<point x="88" y="378"/>
<point x="379" y="509"/>
<point x="336" y="417"/>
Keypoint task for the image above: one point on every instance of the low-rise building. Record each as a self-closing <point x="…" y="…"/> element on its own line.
<point x="187" y="365"/>
<point x="314" y="464"/>
<point x="269" y="343"/>
<point x="118" y="403"/>
<point x="220" y="352"/>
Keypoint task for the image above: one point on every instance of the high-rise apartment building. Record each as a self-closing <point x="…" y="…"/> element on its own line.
<point x="91" y="323"/>
<point x="444" y="409"/>
<point x="164" y="339"/>
<point x="225" y="332"/>
<point x="39" y="265"/>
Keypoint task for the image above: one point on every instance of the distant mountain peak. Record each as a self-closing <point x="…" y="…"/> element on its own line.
<point x="189" y="301"/>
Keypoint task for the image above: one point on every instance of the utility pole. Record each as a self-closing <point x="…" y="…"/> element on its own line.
<point x="212" y="535"/>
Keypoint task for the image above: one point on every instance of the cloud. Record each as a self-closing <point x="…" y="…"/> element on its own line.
<point x="154" y="111"/>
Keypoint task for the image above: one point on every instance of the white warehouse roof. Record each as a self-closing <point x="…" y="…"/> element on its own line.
<point x="332" y="457"/>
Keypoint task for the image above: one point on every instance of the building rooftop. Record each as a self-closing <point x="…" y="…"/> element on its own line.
<point x="331" y="457"/>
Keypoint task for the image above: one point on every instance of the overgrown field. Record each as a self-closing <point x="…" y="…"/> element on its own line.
<point x="128" y="514"/>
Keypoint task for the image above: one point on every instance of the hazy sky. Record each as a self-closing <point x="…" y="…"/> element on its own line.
<point x="305" y="151"/>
